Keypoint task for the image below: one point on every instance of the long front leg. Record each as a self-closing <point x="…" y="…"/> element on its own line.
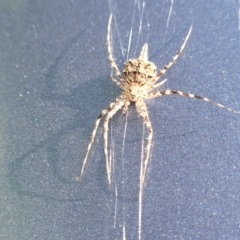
<point x="191" y="95"/>
<point x="110" y="56"/>
<point x="167" y="66"/>
<point x="109" y="115"/>
<point x="142" y="110"/>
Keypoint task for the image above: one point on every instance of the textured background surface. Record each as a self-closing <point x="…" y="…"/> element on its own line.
<point x="54" y="82"/>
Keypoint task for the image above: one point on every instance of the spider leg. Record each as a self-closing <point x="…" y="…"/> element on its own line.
<point x="166" y="67"/>
<point x="106" y="110"/>
<point x="110" y="56"/>
<point x="109" y="115"/>
<point x="142" y="110"/>
<point x="185" y="94"/>
<point x="159" y="84"/>
<point x="116" y="81"/>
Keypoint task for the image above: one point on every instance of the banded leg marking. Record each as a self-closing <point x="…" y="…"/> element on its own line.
<point x="191" y="95"/>
<point x="106" y="110"/>
<point x="167" y="66"/>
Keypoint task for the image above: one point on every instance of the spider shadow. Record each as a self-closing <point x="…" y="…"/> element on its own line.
<point x="72" y="100"/>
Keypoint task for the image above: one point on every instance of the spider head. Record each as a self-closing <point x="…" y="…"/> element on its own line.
<point x="138" y="71"/>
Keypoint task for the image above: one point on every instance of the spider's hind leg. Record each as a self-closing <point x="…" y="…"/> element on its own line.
<point x="109" y="115"/>
<point x="105" y="111"/>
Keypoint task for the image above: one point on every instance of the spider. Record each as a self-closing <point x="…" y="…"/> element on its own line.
<point x="138" y="82"/>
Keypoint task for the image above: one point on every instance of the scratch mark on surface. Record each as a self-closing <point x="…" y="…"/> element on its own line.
<point x="140" y="22"/>
<point x="123" y="170"/>
<point x="141" y="19"/>
<point x="124" y="232"/>
<point x="239" y="15"/>
<point x="129" y="42"/>
<point x="169" y="13"/>
<point x="118" y="34"/>
<point x="116" y="205"/>
<point x="130" y="33"/>
<point x="140" y="196"/>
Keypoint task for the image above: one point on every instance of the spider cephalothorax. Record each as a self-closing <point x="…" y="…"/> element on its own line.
<point x="139" y="75"/>
<point x="138" y="82"/>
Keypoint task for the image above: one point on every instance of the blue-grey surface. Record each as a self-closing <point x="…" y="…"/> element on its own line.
<point x="54" y="79"/>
